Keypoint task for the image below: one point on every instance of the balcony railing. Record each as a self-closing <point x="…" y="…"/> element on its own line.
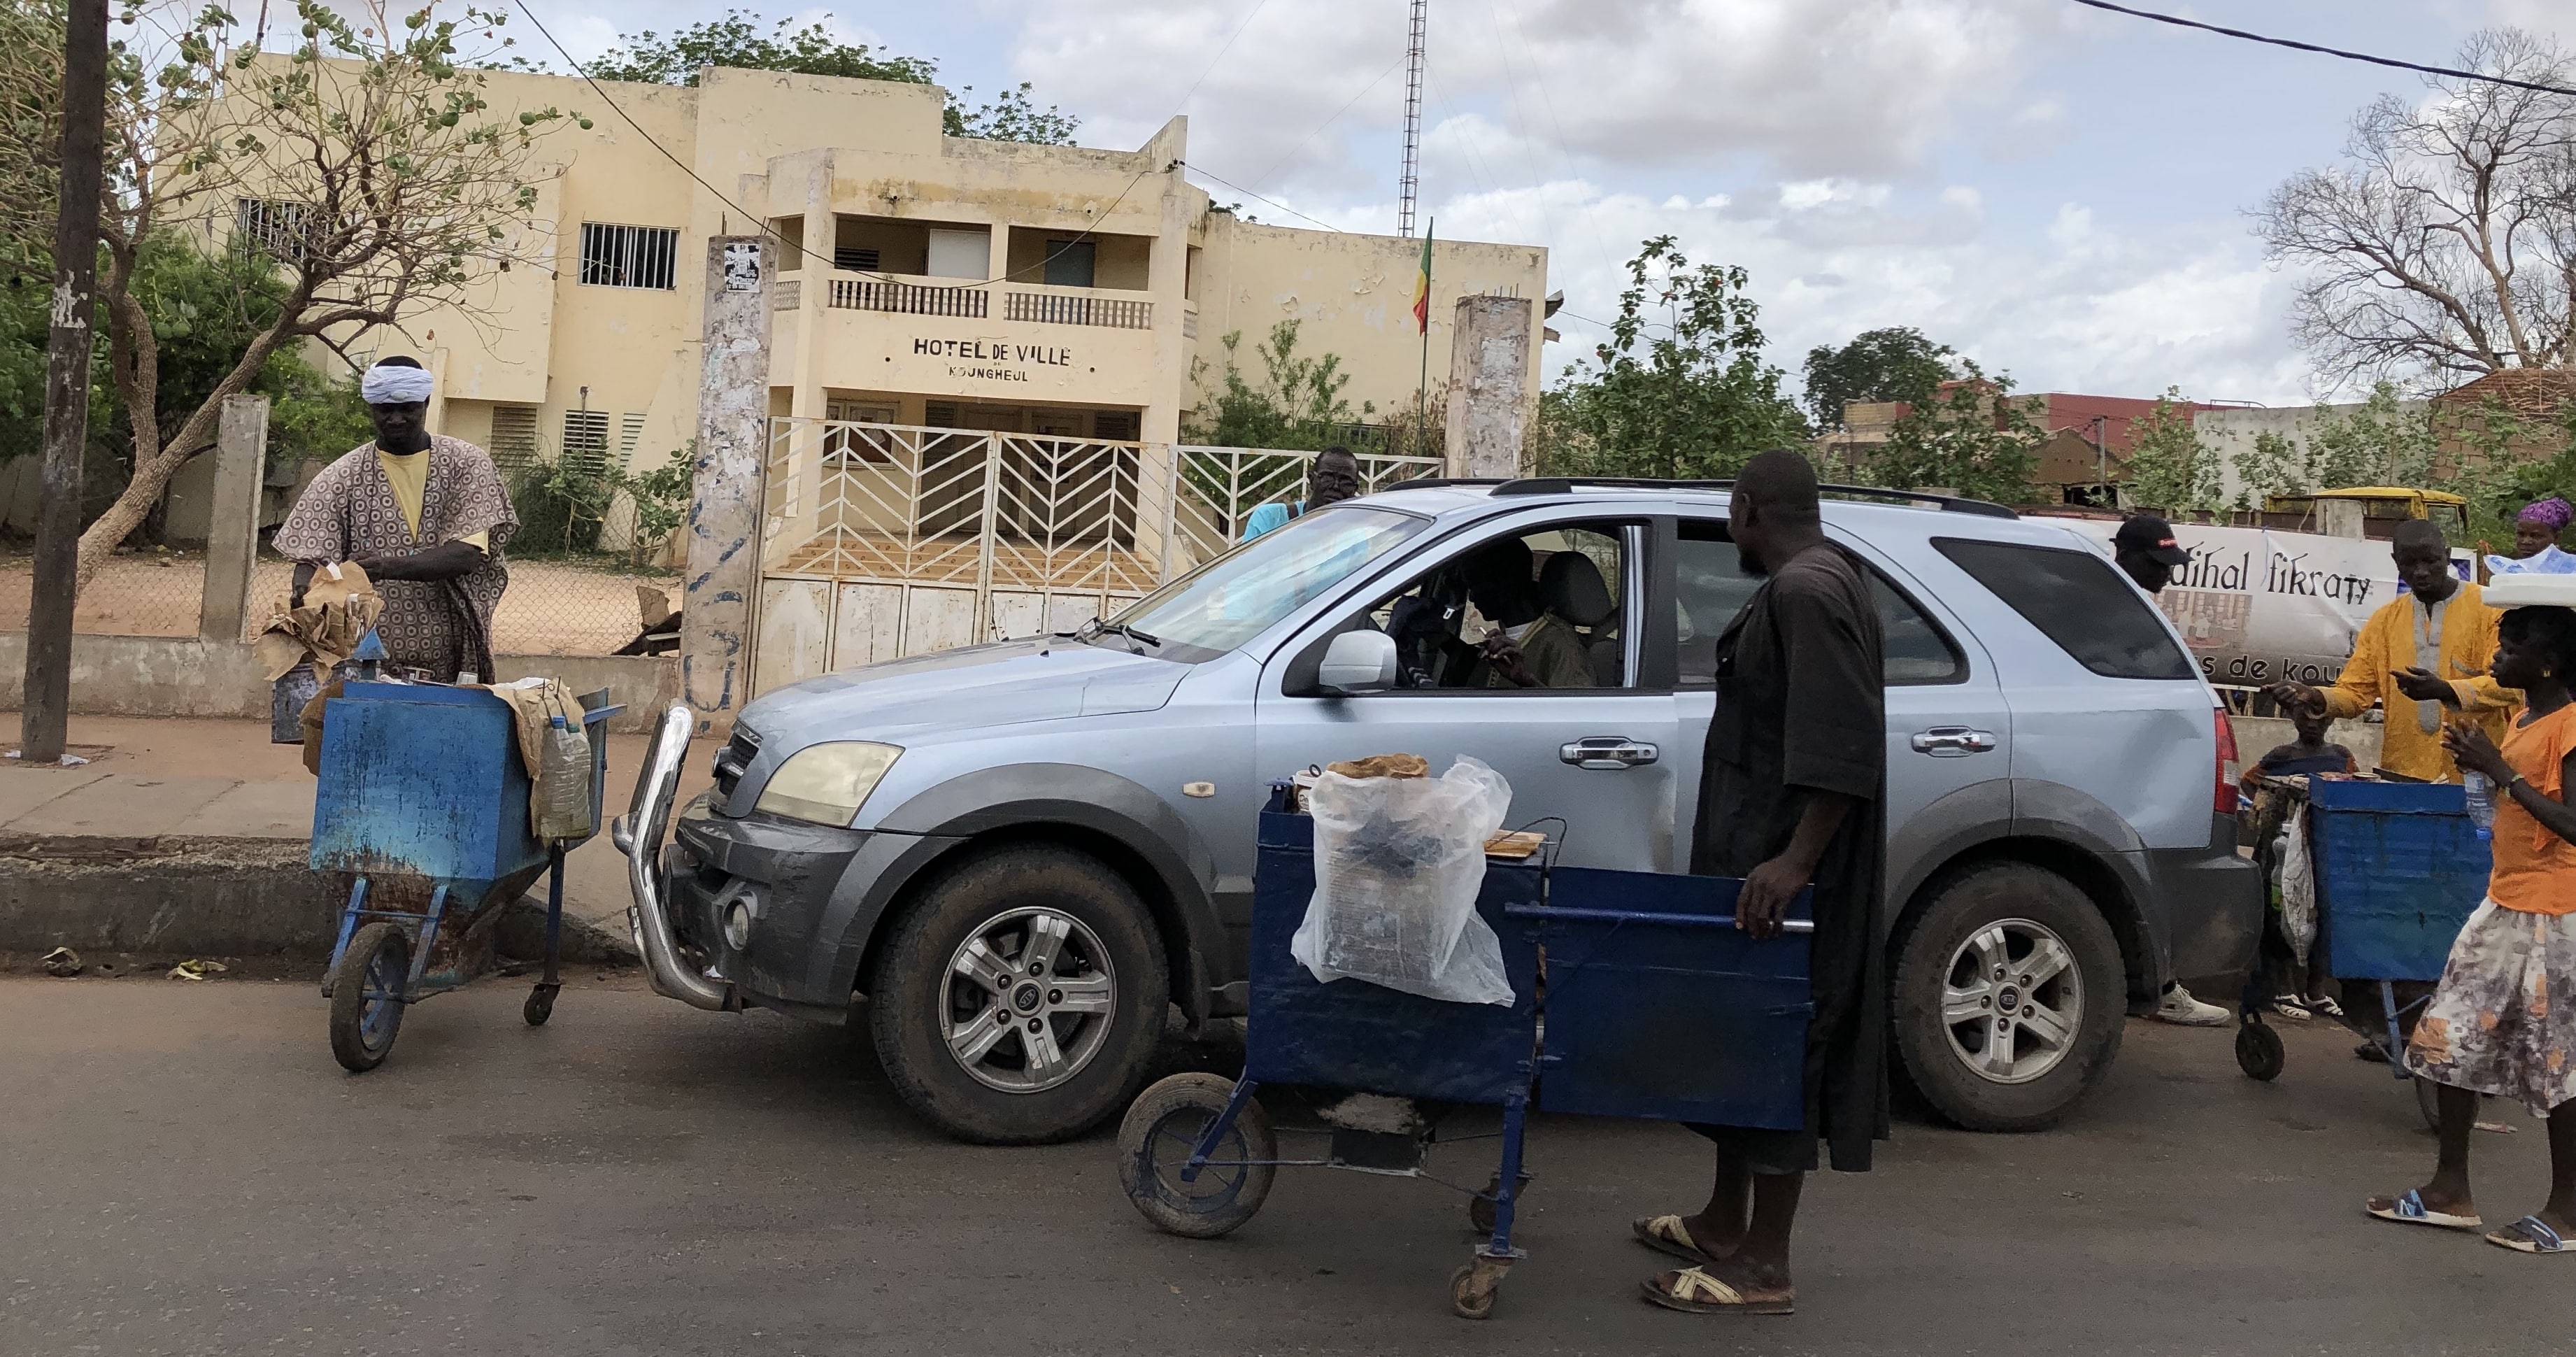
<point x="1058" y="308"/>
<point x="911" y="299"/>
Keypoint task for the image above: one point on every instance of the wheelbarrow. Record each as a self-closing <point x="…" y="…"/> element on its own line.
<point x="423" y="803"/>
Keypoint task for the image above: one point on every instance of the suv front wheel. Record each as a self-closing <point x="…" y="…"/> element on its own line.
<point x="2009" y="998"/>
<point x="1019" y="998"/>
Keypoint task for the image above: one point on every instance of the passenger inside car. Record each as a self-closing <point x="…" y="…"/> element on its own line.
<point x="1528" y="644"/>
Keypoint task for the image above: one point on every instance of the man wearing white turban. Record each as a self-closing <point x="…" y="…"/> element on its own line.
<point x="425" y="516"/>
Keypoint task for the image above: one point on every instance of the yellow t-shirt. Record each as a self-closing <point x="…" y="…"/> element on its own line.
<point x="408" y="474"/>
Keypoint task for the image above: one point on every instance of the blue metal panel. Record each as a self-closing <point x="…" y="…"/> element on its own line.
<point x="423" y="781"/>
<point x="1366" y="1038"/>
<point x="2399" y="869"/>
<point x="1671" y="1021"/>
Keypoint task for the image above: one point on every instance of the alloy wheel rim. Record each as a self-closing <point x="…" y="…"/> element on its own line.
<point x="1027" y="1000"/>
<point x="2012" y="1001"/>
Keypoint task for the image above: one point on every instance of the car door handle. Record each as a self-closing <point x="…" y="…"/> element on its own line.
<point x="1608" y="753"/>
<point x="1954" y="742"/>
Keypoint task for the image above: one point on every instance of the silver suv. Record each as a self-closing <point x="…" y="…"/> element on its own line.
<point x="1024" y="854"/>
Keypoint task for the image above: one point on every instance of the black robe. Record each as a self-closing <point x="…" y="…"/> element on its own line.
<point x="1801" y="705"/>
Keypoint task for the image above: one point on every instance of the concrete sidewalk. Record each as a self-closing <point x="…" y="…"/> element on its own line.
<point x="190" y="836"/>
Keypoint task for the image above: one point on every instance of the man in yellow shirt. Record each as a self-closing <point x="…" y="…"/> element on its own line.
<point x="425" y="516"/>
<point x="2423" y="656"/>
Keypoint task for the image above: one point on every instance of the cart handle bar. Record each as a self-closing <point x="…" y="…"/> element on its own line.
<point x="1639" y="916"/>
<point x="639" y="836"/>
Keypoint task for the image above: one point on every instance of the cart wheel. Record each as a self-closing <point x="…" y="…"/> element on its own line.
<point x="2258" y="1051"/>
<point x="1480" y="1209"/>
<point x="541" y="1005"/>
<point x="1473" y="1288"/>
<point x="366" y="996"/>
<point x="1155" y="1141"/>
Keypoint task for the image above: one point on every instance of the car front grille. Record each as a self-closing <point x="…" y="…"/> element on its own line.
<point x="734" y="758"/>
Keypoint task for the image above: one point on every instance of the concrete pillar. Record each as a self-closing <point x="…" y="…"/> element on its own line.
<point x="232" y="529"/>
<point x="1489" y="350"/>
<point x="2339" y="518"/>
<point x="721" y="586"/>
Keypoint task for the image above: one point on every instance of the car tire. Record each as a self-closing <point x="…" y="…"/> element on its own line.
<point x="928" y="1012"/>
<point x="2063" y="1030"/>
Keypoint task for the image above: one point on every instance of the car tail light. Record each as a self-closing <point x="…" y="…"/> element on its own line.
<point x="2225" y="800"/>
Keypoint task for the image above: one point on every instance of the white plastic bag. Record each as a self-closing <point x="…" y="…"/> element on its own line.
<point x="2298" y="886"/>
<point x="1398" y="863"/>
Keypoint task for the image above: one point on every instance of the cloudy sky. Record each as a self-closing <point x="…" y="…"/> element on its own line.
<point x="2056" y="191"/>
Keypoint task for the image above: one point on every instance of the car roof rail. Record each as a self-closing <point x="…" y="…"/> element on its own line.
<point x="1566" y="485"/>
<point x="1439" y="482"/>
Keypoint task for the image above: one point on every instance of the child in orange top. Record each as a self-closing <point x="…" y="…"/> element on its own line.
<point x="2491" y="1026"/>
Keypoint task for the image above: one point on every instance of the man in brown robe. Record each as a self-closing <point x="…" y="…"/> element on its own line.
<point x="425" y="516"/>
<point x="1792" y="795"/>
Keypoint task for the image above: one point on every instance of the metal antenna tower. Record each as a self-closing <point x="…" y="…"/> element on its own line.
<point x="1412" y="180"/>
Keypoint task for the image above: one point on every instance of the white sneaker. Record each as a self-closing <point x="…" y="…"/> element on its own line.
<point x="2182" y="1010"/>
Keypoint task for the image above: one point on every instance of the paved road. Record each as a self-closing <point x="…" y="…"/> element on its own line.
<point x="186" y="1171"/>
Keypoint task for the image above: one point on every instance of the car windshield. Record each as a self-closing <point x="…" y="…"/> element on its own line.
<point x="1233" y="598"/>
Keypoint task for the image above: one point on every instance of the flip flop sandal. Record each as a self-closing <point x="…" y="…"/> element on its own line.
<point x="1697" y="1293"/>
<point x="2325" y="1008"/>
<point x="1667" y="1234"/>
<point x="2410" y="1210"/>
<point x="2530" y="1234"/>
<point x="2290" y="1006"/>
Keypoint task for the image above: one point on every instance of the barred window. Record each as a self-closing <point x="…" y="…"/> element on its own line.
<point x="628" y="256"/>
<point x="273" y="228"/>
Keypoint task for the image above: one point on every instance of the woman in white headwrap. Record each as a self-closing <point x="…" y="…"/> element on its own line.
<point x="425" y="516"/>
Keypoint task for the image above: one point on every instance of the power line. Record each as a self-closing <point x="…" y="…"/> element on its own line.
<point x="1202" y="169"/>
<point x="2180" y="22"/>
<point x="765" y="228"/>
<point x="1220" y="56"/>
<point x="1264" y="176"/>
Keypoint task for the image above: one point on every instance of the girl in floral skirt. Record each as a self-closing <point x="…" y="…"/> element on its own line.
<point x="2503" y="1020"/>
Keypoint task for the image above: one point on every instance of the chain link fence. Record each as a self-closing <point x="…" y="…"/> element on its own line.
<point x="149" y="593"/>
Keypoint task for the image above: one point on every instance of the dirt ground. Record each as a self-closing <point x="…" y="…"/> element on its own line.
<point x="551" y="607"/>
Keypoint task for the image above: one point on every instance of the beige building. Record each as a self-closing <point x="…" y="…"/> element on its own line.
<point x="926" y="279"/>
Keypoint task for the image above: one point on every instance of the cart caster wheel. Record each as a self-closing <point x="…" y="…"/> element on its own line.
<point x="1480" y="1209"/>
<point x="366" y="996"/>
<point x="1474" y="1288"/>
<point x="2258" y="1051"/>
<point x="541" y="1005"/>
<point x="1161" y="1129"/>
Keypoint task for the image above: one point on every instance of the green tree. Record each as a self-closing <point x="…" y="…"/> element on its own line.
<point x="736" y="41"/>
<point x="2276" y="464"/>
<point x="2386" y="440"/>
<point x="1680" y="390"/>
<point x="2169" y="467"/>
<point x="1975" y="439"/>
<point x="1296" y="402"/>
<point x="1893" y="364"/>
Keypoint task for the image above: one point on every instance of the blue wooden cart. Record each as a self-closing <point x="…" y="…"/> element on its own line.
<point x="1611" y="973"/>
<point x="2399" y="869"/>
<point x="423" y="803"/>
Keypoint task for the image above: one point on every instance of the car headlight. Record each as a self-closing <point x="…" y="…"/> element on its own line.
<point x="826" y="783"/>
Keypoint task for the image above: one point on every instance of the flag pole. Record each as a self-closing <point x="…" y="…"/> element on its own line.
<point x="1422" y="384"/>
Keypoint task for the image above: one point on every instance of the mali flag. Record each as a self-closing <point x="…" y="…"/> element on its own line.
<point x="1422" y="288"/>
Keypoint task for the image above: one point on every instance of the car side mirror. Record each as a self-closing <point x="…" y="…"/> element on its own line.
<point x="1357" y="662"/>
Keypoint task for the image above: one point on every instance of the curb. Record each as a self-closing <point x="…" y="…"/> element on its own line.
<point x="218" y="898"/>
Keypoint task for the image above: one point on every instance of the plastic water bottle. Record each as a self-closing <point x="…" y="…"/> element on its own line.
<point x="2481" y="802"/>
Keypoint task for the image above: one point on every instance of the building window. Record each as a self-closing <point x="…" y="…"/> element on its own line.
<point x="628" y="256"/>
<point x="273" y="228"/>
<point x="514" y="436"/>
<point x="855" y="260"/>
<point x="585" y="439"/>
<point x="1068" y="262"/>
<point x="1116" y="425"/>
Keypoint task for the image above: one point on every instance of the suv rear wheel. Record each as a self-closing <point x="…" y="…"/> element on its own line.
<point x="1018" y="999"/>
<point x="2009" y="998"/>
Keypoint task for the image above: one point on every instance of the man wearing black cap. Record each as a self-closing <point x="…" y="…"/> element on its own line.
<point x="2145" y="548"/>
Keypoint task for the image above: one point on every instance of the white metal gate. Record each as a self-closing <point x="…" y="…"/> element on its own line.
<point x="882" y="540"/>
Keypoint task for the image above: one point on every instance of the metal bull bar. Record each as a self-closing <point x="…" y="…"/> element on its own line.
<point x="638" y="834"/>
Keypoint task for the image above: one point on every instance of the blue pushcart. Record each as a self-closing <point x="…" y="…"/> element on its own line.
<point x="1611" y="973"/>
<point x="2399" y="869"/>
<point x="423" y="802"/>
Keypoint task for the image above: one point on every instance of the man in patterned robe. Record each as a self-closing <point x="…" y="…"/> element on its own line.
<point x="425" y="516"/>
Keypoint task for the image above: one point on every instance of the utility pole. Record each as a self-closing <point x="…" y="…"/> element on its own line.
<point x="44" y="714"/>
<point x="1411" y="181"/>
